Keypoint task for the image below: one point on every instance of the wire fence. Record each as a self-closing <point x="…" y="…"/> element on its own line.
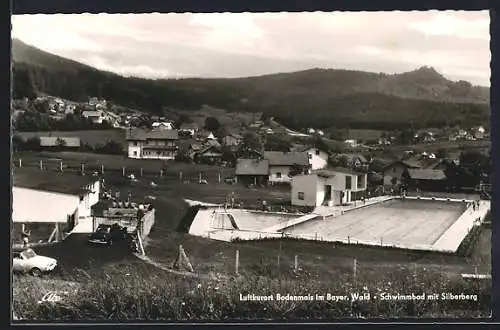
<point x="133" y="169"/>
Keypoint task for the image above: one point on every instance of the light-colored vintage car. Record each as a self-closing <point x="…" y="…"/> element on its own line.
<point x="28" y="261"/>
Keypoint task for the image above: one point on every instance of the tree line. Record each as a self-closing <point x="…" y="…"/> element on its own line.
<point x="294" y="107"/>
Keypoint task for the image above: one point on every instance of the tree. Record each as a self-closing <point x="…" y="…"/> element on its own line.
<point x="111" y="147"/>
<point x="212" y="124"/>
<point x="275" y="143"/>
<point x="251" y="142"/>
<point x="183" y="119"/>
<point x="17" y="142"/>
<point x="442" y="153"/>
<point x="33" y="144"/>
<point x="60" y="143"/>
<point x="406" y="136"/>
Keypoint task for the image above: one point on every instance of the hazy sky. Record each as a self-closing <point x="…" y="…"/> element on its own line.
<point x="246" y="44"/>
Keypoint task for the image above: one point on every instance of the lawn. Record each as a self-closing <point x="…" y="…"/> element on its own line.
<point x="92" y="137"/>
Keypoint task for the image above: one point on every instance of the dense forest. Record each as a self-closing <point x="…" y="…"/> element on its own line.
<point x="312" y="98"/>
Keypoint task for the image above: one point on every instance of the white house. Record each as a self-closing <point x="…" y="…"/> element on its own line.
<point x="282" y="164"/>
<point x="327" y="187"/>
<point x="95" y="116"/>
<point x="60" y="201"/>
<point x="152" y="144"/>
<point x="318" y="159"/>
<point x="162" y="125"/>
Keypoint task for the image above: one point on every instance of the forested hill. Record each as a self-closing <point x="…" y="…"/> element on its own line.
<point x="316" y="97"/>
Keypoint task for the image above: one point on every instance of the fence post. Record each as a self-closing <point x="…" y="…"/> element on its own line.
<point x="41" y="165"/>
<point x="296" y="263"/>
<point x="355" y="270"/>
<point x="381" y="241"/>
<point x="123" y="170"/>
<point x="237" y="262"/>
<point x="219" y="176"/>
<point x="20" y="163"/>
<point x="348" y="240"/>
<point x="199" y="177"/>
<point x="102" y="168"/>
<point x="141" y="171"/>
<point x="83" y="169"/>
<point x="161" y="172"/>
<point x="61" y="166"/>
<point x="180" y="176"/>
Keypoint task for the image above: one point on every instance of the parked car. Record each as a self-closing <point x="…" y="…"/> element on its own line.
<point x="106" y="234"/>
<point x="28" y="262"/>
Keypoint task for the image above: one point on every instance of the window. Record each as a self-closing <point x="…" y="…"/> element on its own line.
<point x="317" y="152"/>
<point x="348" y="182"/>
<point x="310" y="156"/>
<point x="300" y="195"/>
<point x="135" y="153"/>
<point x="135" y="143"/>
<point x="278" y="175"/>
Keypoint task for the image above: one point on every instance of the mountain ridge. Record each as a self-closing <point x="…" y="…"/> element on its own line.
<point x="320" y="93"/>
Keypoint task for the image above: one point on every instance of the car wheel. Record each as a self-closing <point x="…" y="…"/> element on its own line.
<point x="36" y="272"/>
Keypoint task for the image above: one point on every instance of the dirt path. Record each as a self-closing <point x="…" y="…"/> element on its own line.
<point x="170" y="270"/>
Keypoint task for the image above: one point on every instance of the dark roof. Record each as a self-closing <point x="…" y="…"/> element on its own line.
<point x="252" y="167"/>
<point x="189" y="126"/>
<point x="50" y="141"/>
<point x="330" y="172"/>
<point x="278" y="158"/>
<point x="210" y="151"/>
<point x="426" y="174"/>
<point x="159" y="134"/>
<point x="213" y="143"/>
<point x="66" y="183"/>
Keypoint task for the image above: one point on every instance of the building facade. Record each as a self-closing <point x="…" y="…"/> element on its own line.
<point x="327" y="187"/>
<point x="153" y="144"/>
<point x="318" y="159"/>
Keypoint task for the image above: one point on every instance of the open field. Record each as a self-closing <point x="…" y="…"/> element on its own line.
<point x="92" y="137"/>
<point x="72" y="161"/>
<point x="408" y="222"/>
<point x="231" y="120"/>
<point x="447" y="145"/>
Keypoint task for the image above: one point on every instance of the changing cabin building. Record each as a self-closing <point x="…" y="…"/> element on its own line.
<point x="53" y="203"/>
<point x="329" y="187"/>
<point x="152" y="144"/>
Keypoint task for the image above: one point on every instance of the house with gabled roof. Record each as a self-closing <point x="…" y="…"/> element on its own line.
<point x="424" y="179"/>
<point x="284" y="165"/>
<point x="252" y="171"/>
<point x="152" y="144"/>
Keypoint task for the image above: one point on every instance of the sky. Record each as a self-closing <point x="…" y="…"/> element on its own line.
<point x="455" y="43"/>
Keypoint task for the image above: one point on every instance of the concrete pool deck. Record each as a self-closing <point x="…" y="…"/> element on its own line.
<point x="425" y="232"/>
